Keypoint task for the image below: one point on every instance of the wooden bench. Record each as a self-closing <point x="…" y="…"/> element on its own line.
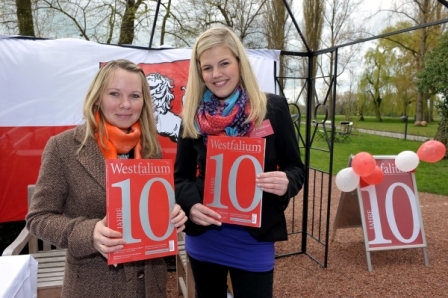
<point x="51" y="264"/>
<point x="185" y="281"/>
<point x="51" y="261"/>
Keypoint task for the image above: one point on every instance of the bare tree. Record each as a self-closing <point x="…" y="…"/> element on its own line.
<point x="127" y="28"/>
<point x="127" y="21"/>
<point x="275" y="31"/>
<point x="189" y="18"/>
<point x="348" y="103"/>
<point x="82" y="18"/>
<point x="8" y="17"/>
<point x="341" y="28"/>
<point x="105" y="21"/>
<point x="313" y="13"/>
<point x="166" y="16"/>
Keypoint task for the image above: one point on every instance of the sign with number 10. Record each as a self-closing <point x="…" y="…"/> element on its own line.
<point x="140" y="197"/>
<point x="390" y="210"/>
<point x="231" y="169"/>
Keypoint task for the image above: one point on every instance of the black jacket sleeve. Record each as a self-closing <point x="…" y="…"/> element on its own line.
<point x="282" y="154"/>
<point x="286" y="147"/>
<point x="188" y="179"/>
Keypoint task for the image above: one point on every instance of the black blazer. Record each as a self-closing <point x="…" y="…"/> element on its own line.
<point x="282" y="153"/>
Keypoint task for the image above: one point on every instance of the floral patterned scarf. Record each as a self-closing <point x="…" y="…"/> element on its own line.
<point x="228" y="119"/>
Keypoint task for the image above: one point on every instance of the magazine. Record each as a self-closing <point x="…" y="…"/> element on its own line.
<point x="140" y="197"/>
<point x="230" y="188"/>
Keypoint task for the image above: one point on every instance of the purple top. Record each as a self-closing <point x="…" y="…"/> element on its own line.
<point x="233" y="246"/>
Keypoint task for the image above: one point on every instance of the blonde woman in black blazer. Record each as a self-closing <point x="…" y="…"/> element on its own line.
<point x="223" y="98"/>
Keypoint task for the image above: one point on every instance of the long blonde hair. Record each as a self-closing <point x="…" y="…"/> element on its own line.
<point x="149" y="140"/>
<point x="220" y="36"/>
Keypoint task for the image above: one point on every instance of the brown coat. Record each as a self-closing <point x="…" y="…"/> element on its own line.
<point x="69" y="199"/>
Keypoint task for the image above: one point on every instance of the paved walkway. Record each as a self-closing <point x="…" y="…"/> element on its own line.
<point x="393" y="135"/>
<point x="389" y="134"/>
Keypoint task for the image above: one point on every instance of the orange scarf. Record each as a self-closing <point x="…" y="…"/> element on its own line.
<point x="118" y="142"/>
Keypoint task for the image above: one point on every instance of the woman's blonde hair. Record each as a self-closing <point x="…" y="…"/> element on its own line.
<point x="220" y="36"/>
<point x="149" y="140"/>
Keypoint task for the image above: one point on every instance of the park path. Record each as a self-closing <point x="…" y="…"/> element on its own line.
<point x="389" y="134"/>
<point x="393" y="135"/>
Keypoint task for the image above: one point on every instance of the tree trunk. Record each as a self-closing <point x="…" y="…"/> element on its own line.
<point x="313" y="13"/>
<point x="165" y="19"/>
<point x="424" y="12"/>
<point x="360" y="111"/>
<point x="377" y="103"/>
<point x="419" y="107"/>
<point x="431" y="110"/>
<point x="127" y="25"/>
<point x="275" y="32"/>
<point x="25" y="17"/>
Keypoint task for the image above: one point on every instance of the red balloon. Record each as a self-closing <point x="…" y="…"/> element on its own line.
<point x="431" y="151"/>
<point x="363" y="164"/>
<point x="375" y="178"/>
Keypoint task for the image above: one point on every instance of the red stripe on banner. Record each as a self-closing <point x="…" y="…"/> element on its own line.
<point x="21" y="151"/>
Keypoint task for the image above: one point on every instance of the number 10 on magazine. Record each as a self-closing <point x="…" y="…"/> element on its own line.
<point x="140" y="197"/>
<point x="230" y="189"/>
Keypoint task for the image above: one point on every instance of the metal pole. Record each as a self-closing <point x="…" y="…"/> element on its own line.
<point x="405" y="126"/>
<point x="405" y="119"/>
<point x="154" y="23"/>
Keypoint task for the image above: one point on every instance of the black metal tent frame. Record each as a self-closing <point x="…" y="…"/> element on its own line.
<point x="316" y="198"/>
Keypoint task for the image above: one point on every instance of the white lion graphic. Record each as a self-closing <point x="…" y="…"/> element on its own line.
<point x="167" y="122"/>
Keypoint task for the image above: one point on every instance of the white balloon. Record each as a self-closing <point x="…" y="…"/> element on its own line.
<point x="347" y="180"/>
<point x="407" y="161"/>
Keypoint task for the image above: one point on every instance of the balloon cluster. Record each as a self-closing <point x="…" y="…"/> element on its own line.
<point x="363" y="166"/>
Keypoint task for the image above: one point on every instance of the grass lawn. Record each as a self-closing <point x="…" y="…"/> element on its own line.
<point x="430" y="177"/>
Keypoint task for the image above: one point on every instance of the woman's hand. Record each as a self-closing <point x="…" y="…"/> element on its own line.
<point x="204" y="216"/>
<point x="178" y="218"/>
<point x="106" y="240"/>
<point x="273" y="182"/>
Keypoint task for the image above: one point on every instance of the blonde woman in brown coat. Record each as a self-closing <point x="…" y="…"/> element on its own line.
<point x="69" y="204"/>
